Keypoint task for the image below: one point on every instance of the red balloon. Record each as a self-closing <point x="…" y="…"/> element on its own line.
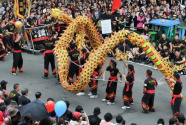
<point x="50" y="105"/>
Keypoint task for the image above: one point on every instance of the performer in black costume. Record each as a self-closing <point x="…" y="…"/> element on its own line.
<point x="17" y="57"/>
<point x="127" y="90"/>
<point x="176" y="96"/>
<point x="73" y="68"/>
<point x="149" y="93"/>
<point x="94" y="83"/>
<point x="112" y="83"/>
<point x="49" y="56"/>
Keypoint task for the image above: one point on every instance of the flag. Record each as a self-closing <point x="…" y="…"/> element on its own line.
<point x="116" y="4"/>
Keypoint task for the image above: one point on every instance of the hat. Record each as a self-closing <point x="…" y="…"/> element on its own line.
<point x="76" y="115"/>
<point x="12" y="112"/>
<point x="79" y="109"/>
<point x="3" y="83"/>
<point x="97" y="111"/>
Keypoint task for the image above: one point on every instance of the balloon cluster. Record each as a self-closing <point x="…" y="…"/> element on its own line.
<point x="60" y="107"/>
<point x="100" y="50"/>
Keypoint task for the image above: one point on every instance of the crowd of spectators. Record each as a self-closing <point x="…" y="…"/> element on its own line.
<point x="12" y="114"/>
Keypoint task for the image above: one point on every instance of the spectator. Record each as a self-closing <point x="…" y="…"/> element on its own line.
<point x="32" y="21"/>
<point x="79" y="109"/>
<point x="140" y="20"/>
<point x="15" y="116"/>
<point x="107" y="119"/>
<point x="160" y="122"/>
<point x="3" y="88"/>
<point x="14" y="94"/>
<point x="2" y="9"/>
<point x="181" y="119"/>
<point x="45" y="121"/>
<point x="120" y="120"/>
<point x="68" y="113"/>
<point x="95" y="116"/>
<point x="1" y="118"/>
<point x="23" y="100"/>
<point x="1" y="97"/>
<point x="79" y="119"/>
<point x="172" y="121"/>
<point x="38" y="97"/>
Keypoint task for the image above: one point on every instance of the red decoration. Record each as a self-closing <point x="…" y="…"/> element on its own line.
<point x="50" y="105"/>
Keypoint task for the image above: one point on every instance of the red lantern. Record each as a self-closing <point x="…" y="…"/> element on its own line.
<point x="50" y="105"/>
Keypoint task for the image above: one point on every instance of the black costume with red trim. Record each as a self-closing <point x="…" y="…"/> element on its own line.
<point x="112" y="84"/>
<point x="73" y="68"/>
<point x="176" y="98"/>
<point x="49" y="56"/>
<point x="17" y="57"/>
<point x="10" y="40"/>
<point x="149" y="94"/>
<point x="2" y="52"/>
<point x="94" y="83"/>
<point x="127" y="90"/>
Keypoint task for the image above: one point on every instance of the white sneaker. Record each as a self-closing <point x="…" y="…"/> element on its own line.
<point x="90" y="94"/>
<point x="80" y="93"/>
<point x="155" y="67"/>
<point x="94" y="96"/>
<point x="104" y="100"/>
<point x="14" y="74"/>
<point x="110" y="103"/>
<point x="125" y="107"/>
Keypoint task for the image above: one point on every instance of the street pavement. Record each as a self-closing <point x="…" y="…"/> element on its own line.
<point x="31" y="79"/>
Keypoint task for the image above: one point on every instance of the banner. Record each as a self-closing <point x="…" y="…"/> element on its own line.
<point x="106" y="26"/>
<point x="21" y="8"/>
<point x="37" y="34"/>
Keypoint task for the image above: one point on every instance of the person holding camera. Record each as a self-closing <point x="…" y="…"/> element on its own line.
<point x="79" y="119"/>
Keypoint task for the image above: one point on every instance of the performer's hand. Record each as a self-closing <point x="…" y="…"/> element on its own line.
<point x="166" y="78"/>
<point x="104" y="79"/>
<point x="120" y="81"/>
<point x="123" y="76"/>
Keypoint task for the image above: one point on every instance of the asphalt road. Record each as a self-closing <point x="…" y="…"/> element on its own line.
<point x="31" y="79"/>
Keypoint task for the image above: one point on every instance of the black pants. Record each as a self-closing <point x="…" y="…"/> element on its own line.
<point x="176" y="107"/>
<point x="17" y="62"/>
<point x="49" y="58"/>
<point x="148" y="102"/>
<point x="2" y="54"/>
<point x="111" y="90"/>
<point x="73" y="69"/>
<point x="93" y="85"/>
<point x="127" y="95"/>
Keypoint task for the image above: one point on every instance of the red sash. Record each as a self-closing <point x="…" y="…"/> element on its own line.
<point x="174" y="98"/>
<point x="47" y="51"/>
<point x="128" y="85"/>
<point x="94" y="76"/>
<point x="113" y="78"/>
<point x="150" y="91"/>
<point x="17" y="51"/>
